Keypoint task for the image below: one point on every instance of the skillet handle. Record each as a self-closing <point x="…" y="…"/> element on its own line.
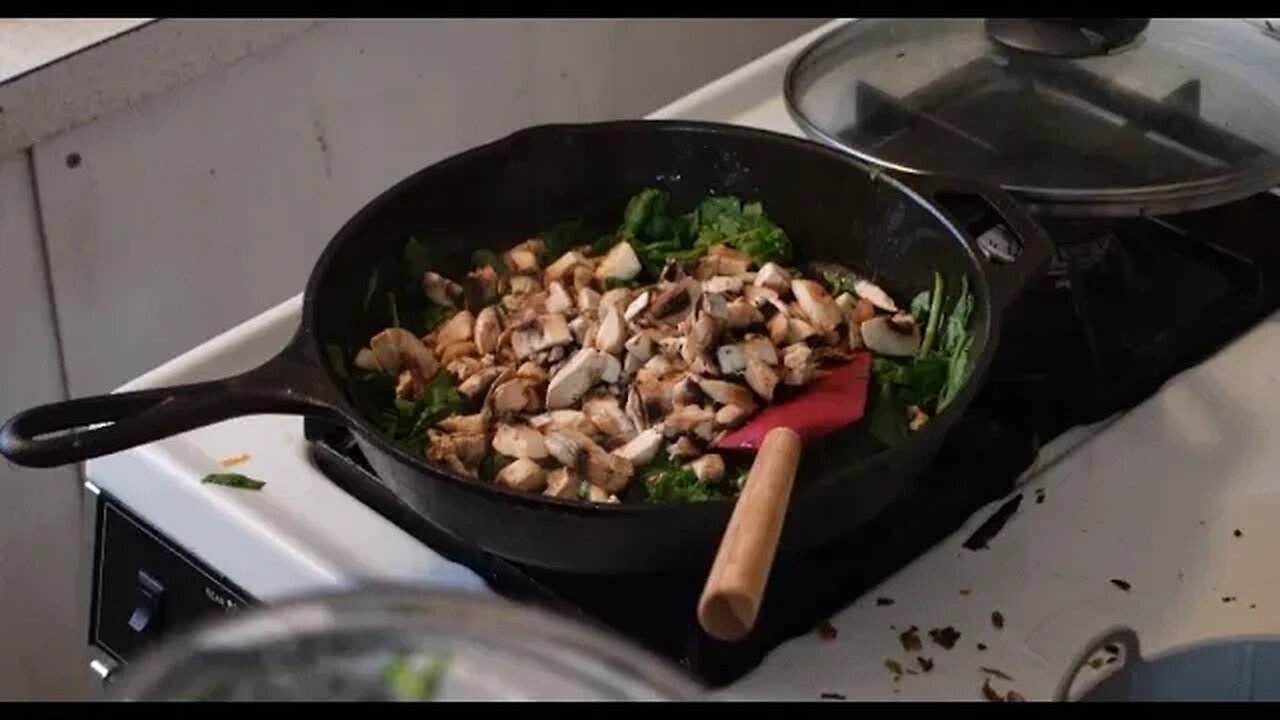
<point x="1008" y="279"/>
<point x="290" y="383"/>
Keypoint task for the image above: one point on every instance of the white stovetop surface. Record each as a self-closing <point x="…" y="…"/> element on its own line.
<point x="1152" y="498"/>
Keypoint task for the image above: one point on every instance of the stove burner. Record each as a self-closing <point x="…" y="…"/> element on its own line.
<point x="1134" y="303"/>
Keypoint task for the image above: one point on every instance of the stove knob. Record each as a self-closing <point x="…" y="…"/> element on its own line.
<point x="146" y="614"/>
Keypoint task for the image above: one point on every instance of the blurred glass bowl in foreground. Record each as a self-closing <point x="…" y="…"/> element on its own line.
<point x="389" y="644"/>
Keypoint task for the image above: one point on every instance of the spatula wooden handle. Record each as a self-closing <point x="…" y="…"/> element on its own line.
<point x="735" y="587"/>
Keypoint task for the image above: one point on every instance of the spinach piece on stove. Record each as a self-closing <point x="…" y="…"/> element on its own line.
<point x="233" y="480"/>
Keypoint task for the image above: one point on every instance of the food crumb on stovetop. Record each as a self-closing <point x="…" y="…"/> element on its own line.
<point x="965" y="591"/>
<point x="1237" y="533"/>
<point x="831" y="696"/>
<point x="910" y="639"/>
<point x="1228" y="598"/>
<point x="235" y="460"/>
<point x="982" y="647"/>
<point x="926" y="664"/>
<point x="997" y="619"/>
<point x="993" y="672"/>
<point x="1039" y="496"/>
<point x="1122" y="584"/>
<point x="884" y="601"/>
<point x="893" y="666"/>
<point x="1253" y="606"/>
<point x="827" y="631"/>
<point x="945" y="637"/>
<point x="994" y="695"/>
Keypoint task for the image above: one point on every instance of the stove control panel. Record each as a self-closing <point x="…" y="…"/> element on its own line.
<point x="145" y="587"/>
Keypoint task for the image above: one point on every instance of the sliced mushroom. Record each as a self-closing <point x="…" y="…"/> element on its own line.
<point x="690" y="420"/>
<point x="531" y="371"/>
<point x="397" y="348"/>
<point x="762" y="379"/>
<point x="742" y="314"/>
<point x="524" y="475"/>
<point x="722" y="284"/>
<point x="872" y="293"/>
<point x="641" y="449"/>
<point x="519" y="441"/>
<point x="597" y="494"/>
<point x="366" y="360"/>
<point x="517" y="395"/>
<point x="732" y="359"/>
<point x="760" y="349"/>
<point x="479" y="382"/>
<point x="441" y="290"/>
<point x="602" y="468"/>
<point x="917" y="418"/>
<point x="410" y="384"/>
<point x="777" y="326"/>
<point x="612" y="372"/>
<point x="686" y="392"/>
<point x="606" y="414"/>
<point x="773" y="277"/>
<point x="459" y="453"/>
<point x="575" y="378"/>
<point x="612" y="334"/>
<point x="488" y="328"/>
<point x="617" y="297"/>
<point x="798" y="331"/>
<point x="455" y="329"/>
<point x="847" y="304"/>
<point x="562" y="483"/>
<point x="523" y="259"/>
<point x="708" y="468"/>
<point x="523" y="285"/>
<point x="723" y="260"/>
<point x="675" y="302"/>
<point x="684" y="448"/>
<point x="464" y="367"/>
<point x="588" y="300"/>
<point x="726" y="393"/>
<point x="583" y="276"/>
<point x="817" y="304"/>
<point x="655" y="394"/>
<point x="637" y="306"/>
<point x="734" y="415"/>
<point x="620" y="263"/>
<point x="897" y="337"/>
<point x="460" y="349"/>
<point x="562" y="265"/>
<point x="562" y="447"/>
<point x="700" y="339"/>
<point x="558" y="299"/>
<point x="635" y="409"/>
<point x="800" y="365"/>
<point x="574" y="420"/>
<point x="540" y="334"/>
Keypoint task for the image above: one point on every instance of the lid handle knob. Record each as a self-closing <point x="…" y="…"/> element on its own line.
<point x="1065" y="37"/>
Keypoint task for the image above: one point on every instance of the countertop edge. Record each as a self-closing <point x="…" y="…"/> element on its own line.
<point x="107" y="75"/>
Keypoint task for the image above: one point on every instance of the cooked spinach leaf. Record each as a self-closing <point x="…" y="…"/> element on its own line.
<point x="935" y="312"/>
<point x="417" y="259"/>
<point x="233" y="480"/>
<point x="666" y="480"/>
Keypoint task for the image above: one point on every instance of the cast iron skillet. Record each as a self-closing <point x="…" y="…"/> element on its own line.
<point x="833" y="207"/>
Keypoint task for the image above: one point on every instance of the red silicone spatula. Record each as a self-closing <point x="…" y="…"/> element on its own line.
<point x="735" y="586"/>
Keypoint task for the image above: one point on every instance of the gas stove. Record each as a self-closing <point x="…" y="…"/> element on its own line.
<point x="1138" y="320"/>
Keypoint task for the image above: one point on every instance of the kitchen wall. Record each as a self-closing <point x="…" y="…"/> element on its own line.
<point x="167" y="222"/>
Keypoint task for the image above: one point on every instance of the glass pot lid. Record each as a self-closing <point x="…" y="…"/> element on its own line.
<point x="394" y="643"/>
<point x="1074" y="116"/>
